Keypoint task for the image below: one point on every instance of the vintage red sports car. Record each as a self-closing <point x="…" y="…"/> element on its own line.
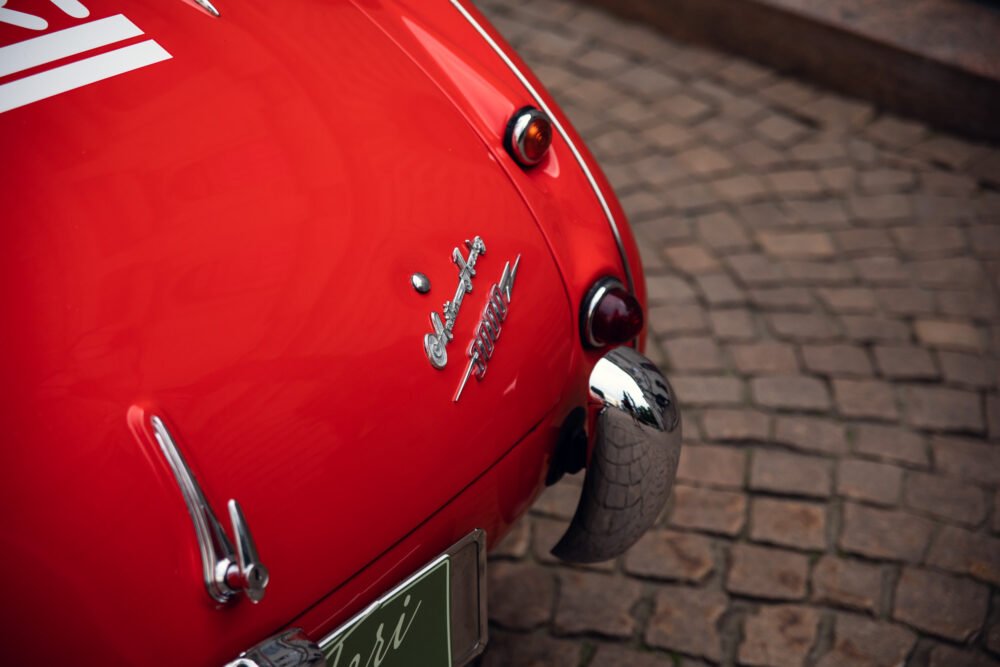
<point x="305" y="302"/>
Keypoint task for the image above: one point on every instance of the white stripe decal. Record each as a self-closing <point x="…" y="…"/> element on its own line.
<point x="72" y="7"/>
<point x="67" y="77"/>
<point x="69" y="42"/>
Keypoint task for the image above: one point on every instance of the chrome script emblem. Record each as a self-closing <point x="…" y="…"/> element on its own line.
<point x="435" y="343"/>
<point x="484" y="342"/>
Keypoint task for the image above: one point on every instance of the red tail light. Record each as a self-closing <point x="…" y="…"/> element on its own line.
<point x="611" y="316"/>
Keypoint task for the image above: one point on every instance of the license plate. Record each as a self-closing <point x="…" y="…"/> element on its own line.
<point x="435" y="618"/>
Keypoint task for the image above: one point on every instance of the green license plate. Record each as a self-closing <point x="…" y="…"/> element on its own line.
<point x="411" y="625"/>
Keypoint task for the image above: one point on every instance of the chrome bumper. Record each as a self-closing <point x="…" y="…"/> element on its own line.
<point x="634" y="462"/>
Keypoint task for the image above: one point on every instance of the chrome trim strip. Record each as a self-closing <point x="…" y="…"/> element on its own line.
<point x="562" y="132"/>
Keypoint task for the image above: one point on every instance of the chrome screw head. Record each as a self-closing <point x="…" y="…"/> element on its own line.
<point x="421" y="283"/>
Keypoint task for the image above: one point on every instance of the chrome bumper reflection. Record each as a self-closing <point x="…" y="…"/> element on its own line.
<point x="634" y="462"/>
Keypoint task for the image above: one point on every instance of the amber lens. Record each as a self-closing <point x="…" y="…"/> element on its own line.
<point x="617" y="318"/>
<point x="537" y="139"/>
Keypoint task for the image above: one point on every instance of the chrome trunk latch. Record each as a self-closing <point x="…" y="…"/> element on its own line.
<point x="227" y="570"/>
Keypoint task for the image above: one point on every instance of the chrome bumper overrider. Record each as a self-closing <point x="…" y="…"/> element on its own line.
<point x="634" y="462"/>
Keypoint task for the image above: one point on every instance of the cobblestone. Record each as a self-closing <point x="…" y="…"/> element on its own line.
<point x="847" y="583"/>
<point x="940" y="604"/>
<point x="823" y="286"/>
<point x="779" y="636"/>
<point x="764" y="572"/>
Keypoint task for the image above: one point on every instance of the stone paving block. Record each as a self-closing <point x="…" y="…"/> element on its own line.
<point x="791" y="392"/>
<point x="881" y="270"/>
<point x="951" y="272"/>
<point x="721" y="232"/>
<point x="851" y="241"/>
<point x="806" y="272"/>
<point x="693" y="354"/>
<point x="766" y="358"/>
<point x="891" y="443"/>
<point x="846" y="582"/>
<point x="848" y="299"/>
<point x="764" y="572"/>
<point x="940" y="604"/>
<point x="712" y="465"/>
<point x="719" y="290"/>
<point x="619" y="656"/>
<point x="521" y="595"/>
<point x="943" y="409"/>
<point x="870" y="399"/>
<point x="969" y="370"/>
<point x="949" y="656"/>
<point x="837" y="360"/>
<point x="668" y="289"/>
<point x="793" y="474"/>
<point x="755" y="270"/>
<point x="949" y="335"/>
<point x="732" y="324"/>
<point x="677" y="319"/>
<point x="906" y="301"/>
<point x="869" y="329"/>
<point x="868" y="481"/>
<point x="736" y="425"/>
<point x="928" y="241"/>
<point x="685" y="620"/>
<point x="671" y="556"/>
<point x="881" y="209"/>
<point x="778" y="636"/>
<point x="597" y="603"/>
<point x="905" y="362"/>
<point x="965" y="552"/>
<point x="886" y="180"/>
<point x="796" y="245"/>
<point x="782" y="298"/>
<point x="888" y="534"/>
<point x="507" y="649"/>
<point x="712" y="511"/>
<point x="704" y="390"/>
<point x="811" y="434"/>
<point x="788" y="523"/>
<point x="704" y="160"/>
<point x="690" y="259"/>
<point x="780" y="130"/>
<point x="967" y="459"/>
<point x="945" y="498"/>
<point x="895" y="132"/>
<point x="863" y="642"/>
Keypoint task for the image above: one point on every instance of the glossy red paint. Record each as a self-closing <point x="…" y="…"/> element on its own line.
<point x="225" y="239"/>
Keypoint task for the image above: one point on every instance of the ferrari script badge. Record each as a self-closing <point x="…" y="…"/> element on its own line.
<point x="484" y="342"/>
<point x="436" y="342"/>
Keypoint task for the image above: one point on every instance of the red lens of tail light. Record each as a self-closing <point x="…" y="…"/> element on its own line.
<point x="528" y="136"/>
<point x="612" y="316"/>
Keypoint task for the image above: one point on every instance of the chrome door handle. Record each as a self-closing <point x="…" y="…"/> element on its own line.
<point x="226" y="571"/>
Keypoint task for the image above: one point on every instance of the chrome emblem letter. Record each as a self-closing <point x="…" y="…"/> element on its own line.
<point x="435" y="343"/>
<point x="488" y="332"/>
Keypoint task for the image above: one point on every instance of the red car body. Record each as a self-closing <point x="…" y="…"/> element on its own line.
<point x="225" y="238"/>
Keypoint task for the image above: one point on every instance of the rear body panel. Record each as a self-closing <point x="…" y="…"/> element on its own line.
<point x="225" y="238"/>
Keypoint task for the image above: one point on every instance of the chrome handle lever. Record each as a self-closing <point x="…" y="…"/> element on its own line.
<point x="227" y="571"/>
<point x="248" y="573"/>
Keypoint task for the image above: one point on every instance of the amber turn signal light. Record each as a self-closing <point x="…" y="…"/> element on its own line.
<point x="528" y="136"/>
<point x="611" y="315"/>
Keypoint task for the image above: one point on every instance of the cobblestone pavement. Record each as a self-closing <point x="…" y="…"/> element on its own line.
<point x="823" y="285"/>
